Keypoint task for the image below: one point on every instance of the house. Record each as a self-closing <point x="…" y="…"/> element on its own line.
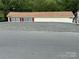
<point x="65" y="16"/>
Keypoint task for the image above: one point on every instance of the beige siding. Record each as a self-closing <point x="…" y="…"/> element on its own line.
<point x="8" y="19"/>
<point x="68" y="20"/>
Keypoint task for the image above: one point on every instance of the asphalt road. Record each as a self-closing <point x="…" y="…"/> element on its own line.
<point x="38" y="45"/>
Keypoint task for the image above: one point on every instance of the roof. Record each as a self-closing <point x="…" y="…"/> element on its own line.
<point x="41" y="14"/>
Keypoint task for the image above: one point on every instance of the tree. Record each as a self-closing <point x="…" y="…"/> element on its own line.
<point x="52" y="6"/>
<point x="6" y="4"/>
<point x="39" y="5"/>
<point x="68" y="5"/>
<point x="14" y="5"/>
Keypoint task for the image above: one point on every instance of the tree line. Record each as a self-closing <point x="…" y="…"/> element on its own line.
<point x="38" y="5"/>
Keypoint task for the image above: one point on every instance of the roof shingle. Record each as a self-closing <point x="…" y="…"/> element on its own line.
<point x="41" y="14"/>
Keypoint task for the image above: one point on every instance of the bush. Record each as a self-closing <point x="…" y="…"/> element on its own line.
<point x="2" y="19"/>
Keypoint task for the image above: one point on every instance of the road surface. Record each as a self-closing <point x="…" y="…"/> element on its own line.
<point x="55" y="27"/>
<point x="38" y="45"/>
